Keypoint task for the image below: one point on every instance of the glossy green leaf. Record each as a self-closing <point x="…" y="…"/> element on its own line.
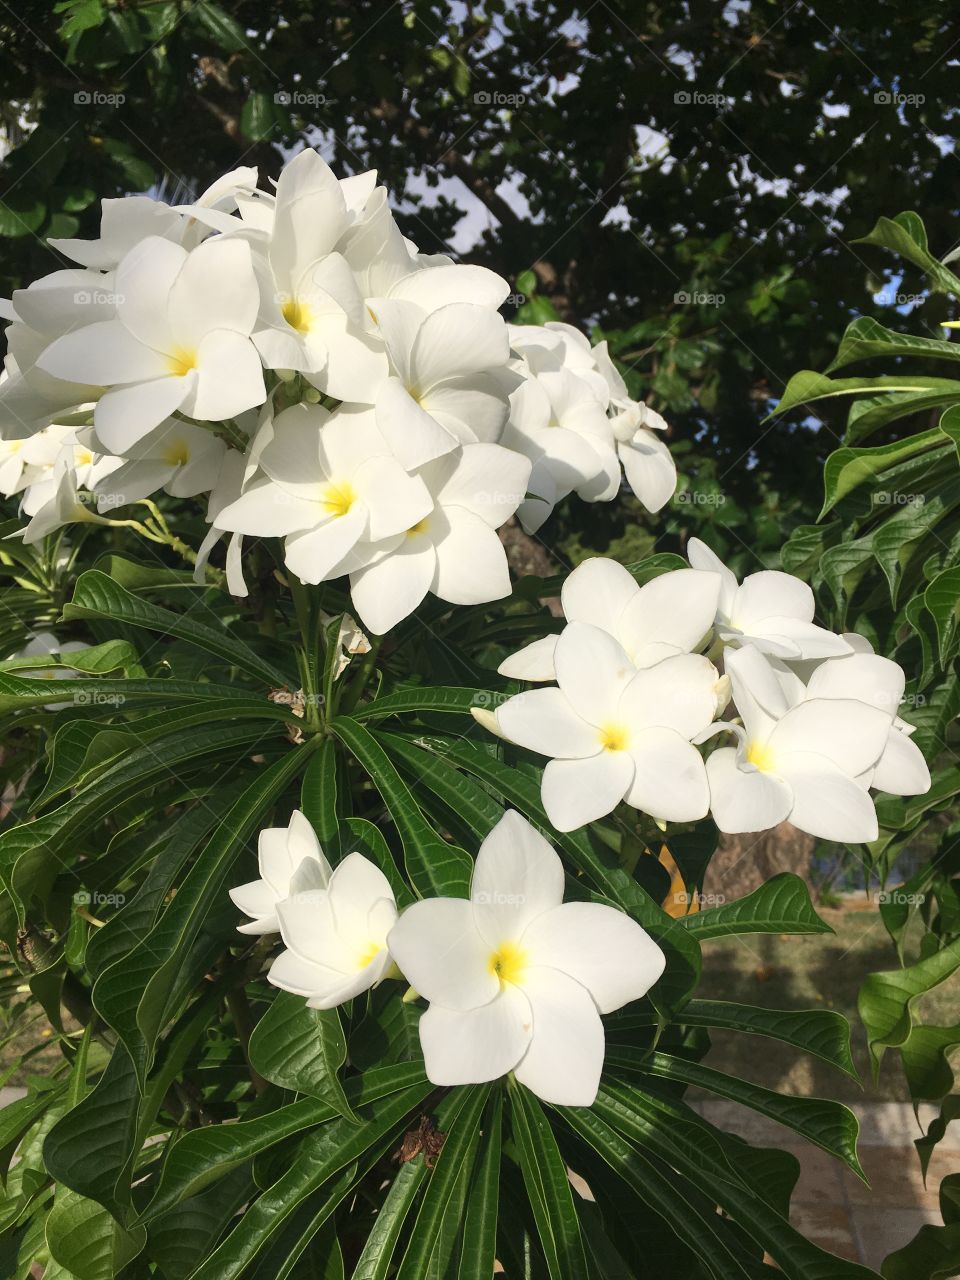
<point x="301" y="1049"/>
<point x="781" y="905"/>
<point x="885" y="998"/>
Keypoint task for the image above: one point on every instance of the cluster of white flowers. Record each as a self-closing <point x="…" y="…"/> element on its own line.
<point x="293" y="358"/>
<point x="636" y="692"/>
<point x="516" y="979"/>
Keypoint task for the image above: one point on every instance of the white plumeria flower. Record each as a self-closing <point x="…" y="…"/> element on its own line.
<point x="808" y="764"/>
<point x="62" y="505"/>
<point x="647" y="462"/>
<point x="771" y="610"/>
<point x="670" y="614"/>
<point x="615" y="733"/>
<point x="336" y="938"/>
<point x="291" y="862"/>
<point x="516" y="978"/>
<point x="312" y="316"/>
<point x="179" y="458"/>
<point x="453" y="550"/>
<point x="558" y="422"/>
<point x="879" y="682"/>
<point x="78" y="454"/>
<point x="330" y="483"/>
<point x="124" y="223"/>
<point x="441" y="391"/>
<point x="180" y="340"/>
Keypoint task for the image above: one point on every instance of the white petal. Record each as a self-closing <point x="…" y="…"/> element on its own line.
<point x="757" y="692"/>
<point x="144" y="280"/>
<point x="701" y="557"/>
<point x="471" y="561"/>
<point x="314" y="554"/>
<point x="744" y="798"/>
<point x="458" y="340"/>
<point x="302" y="842"/>
<point x="677" y="609"/>
<point x="851" y="734"/>
<point x="388" y="591"/>
<point x="267" y="511"/>
<point x="395" y="501"/>
<point x="472" y="409"/>
<point x="864" y="676"/>
<point x="678" y="693"/>
<point x="215" y="289"/>
<point x="565" y="1057"/>
<point x="230" y="377"/>
<point x="486" y="479"/>
<point x="771" y="594"/>
<point x="670" y="781"/>
<point x="125" y="415"/>
<point x="593" y="671"/>
<point x="790" y="636"/>
<point x="518" y="876"/>
<point x="309" y="929"/>
<point x="413" y="435"/>
<point x="598" y="591"/>
<point x="442" y="954"/>
<point x="255" y="899"/>
<point x="358" y="889"/>
<point x="543" y="720"/>
<point x="575" y="792"/>
<point x="303" y="977"/>
<point x="901" y="770"/>
<point x="437" y="286"/>
<point x="533" y="662"/>
<point x="650" y="469"/>
<point x="477" y="1045"/>
<point x="602" y="948"/>
<point x="827" y="803"/>
<point x="102" y="354"/>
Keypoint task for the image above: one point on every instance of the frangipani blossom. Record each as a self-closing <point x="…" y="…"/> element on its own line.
<point x="336" y="938"/>
<point x="647" y="462"/>
<point x="441" y="391"/>
<point x="179" y="458"/>
<point x="516" y="978"/>
<point x="668" y="615"/>
<point x="879" y="682"/>
<point x="771" y="610"/>
<point x="291" y="862"/>
<point x="329" y="482"/>
<point x="558" y="422"/>
<point x="180" y="340"/>
<point x="454" y="550"/>
<point x="615" y="733"/>
<point x="805" y="764"/>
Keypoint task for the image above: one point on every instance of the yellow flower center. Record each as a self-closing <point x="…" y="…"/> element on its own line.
<point x="297" y="315"/>
<point x="181" y="361"/>
<point x="338" y="498"/>
<point x="419" y="527"/>
<point x="507" y="962"/>
<point x="83" y="457"/>
<point x="614" y="737"/>
<point x="368" y="953"/>
<point x="176" y="454"/>
<point x="760" y="756"/>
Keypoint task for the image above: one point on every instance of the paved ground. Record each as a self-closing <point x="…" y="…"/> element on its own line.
<point x="831" y="1205"/>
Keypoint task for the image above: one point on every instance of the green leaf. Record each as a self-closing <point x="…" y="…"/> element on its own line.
<point x="262" y="117"/>
<point x="942" y="598"/>
<point x="441" y="698"/>
<point x="204" y="1155"/>
<point x="225" y="30"/>
<point x="97" y="596"/>
<point x="808" y="386"/>
<point x="829" y="1125"/>
<point x="847" y="469"/>
<point x="781" y="905"/>
<point x="906" y="236"/>
<point x="865" y="338"/>
<point x="319" y="798"/>
<point x="551" y="1197"/>
<point x="17" y="693"/>
<point x="821" y="1032"/>
<point x="377" y="1256"/>
<point x="937" y="1130"/>
<point x="301" y="1049"/>
<point x="434" y="867"/>
<point x="461" y="1125"/>
<point x="674" y="1135"/>
<point x="87" y="1241"/>
<point x="479" y="1252"/>
<point x="926" y="1063"/>
<point x="885" y="999"/>
<point x="321" y="1155"/>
